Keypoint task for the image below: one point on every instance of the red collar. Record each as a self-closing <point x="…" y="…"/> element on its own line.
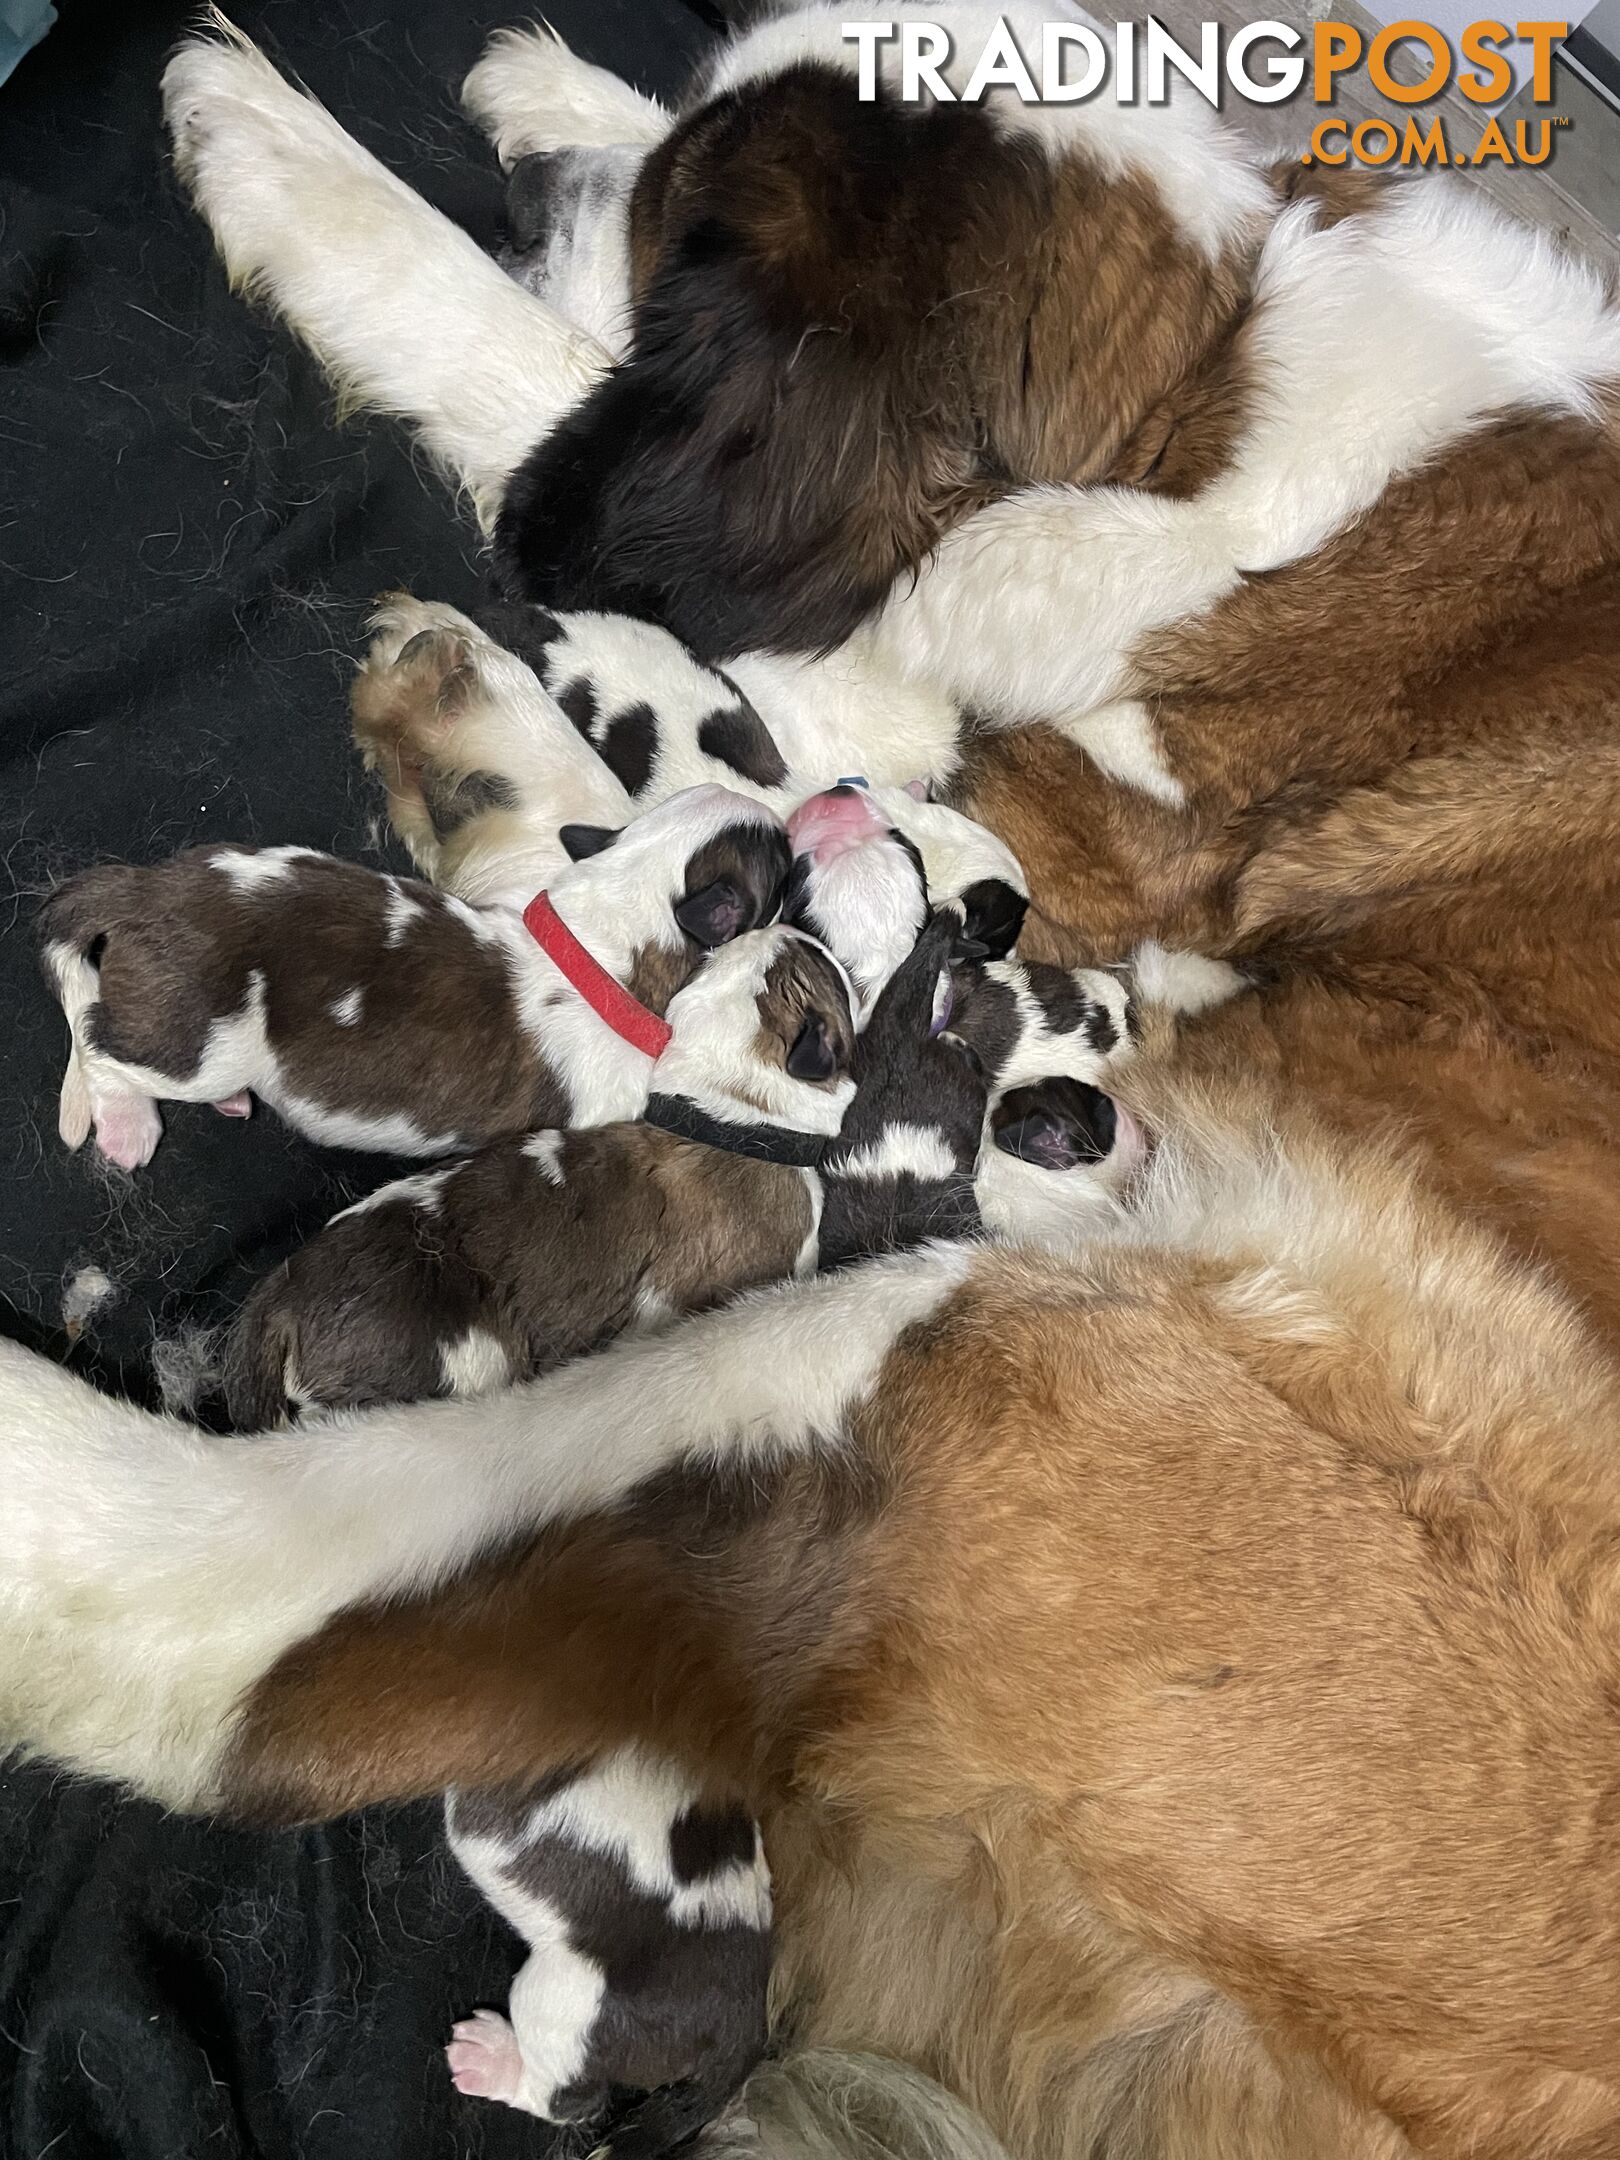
<point x="606" y="997"/>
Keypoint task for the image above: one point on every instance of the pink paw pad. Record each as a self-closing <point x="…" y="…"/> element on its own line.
<point x="484" y="2057"/>
<point x="128" y="1130"/>
<point x="238" y="1105"/>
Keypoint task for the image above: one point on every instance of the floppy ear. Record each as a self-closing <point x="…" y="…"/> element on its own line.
<point x="992" y="915"/>
<point x="813" y="1056"/>
<point x="717" y="914"/>
<point x="582" y="840"/>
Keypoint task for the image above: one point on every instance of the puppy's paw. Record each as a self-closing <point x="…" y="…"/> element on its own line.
<point x="128" y="1129"/>
<point x="485" y="2060"/>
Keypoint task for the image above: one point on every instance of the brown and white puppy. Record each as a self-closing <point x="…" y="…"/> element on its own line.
<point x="373" y="1012"/>
<point x="471" y="746"/>
<point x="540" y="1247"/>
<point x="482" y="769"/>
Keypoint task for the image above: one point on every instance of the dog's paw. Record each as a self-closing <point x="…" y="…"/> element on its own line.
<point x="485" y="2060"/>
<point x="531" y="92"/>
<point x="128" y="1129"/>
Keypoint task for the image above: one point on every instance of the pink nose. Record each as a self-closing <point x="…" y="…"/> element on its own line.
<point x="834" y="823"/>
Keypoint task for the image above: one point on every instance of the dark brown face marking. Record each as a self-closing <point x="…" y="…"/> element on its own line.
<point x="734" y="882"/>
<point x="804" y="414"/>
<point x="738" y="737"/>
<point x="1057" y="1124"/>
<point x="805" y="1024"/>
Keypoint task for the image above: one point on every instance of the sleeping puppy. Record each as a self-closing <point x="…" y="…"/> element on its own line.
<point x="431" y="690"/>
<point x="466" y="739"/>
<point x="536" y="1249"/>
<point x="373" y="1012"/>
<point x="1060" y="1156"/>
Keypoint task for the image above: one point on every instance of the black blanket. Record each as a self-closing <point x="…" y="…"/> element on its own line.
<point x="188" y="544"/>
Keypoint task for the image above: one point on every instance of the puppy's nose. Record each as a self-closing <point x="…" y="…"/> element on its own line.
<point x="834" y="823"/>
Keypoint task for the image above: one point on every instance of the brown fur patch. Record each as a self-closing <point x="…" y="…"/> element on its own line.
<point x="1058" y="326"/>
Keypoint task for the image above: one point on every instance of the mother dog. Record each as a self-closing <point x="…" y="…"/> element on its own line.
<point x="1179" y="1680"/>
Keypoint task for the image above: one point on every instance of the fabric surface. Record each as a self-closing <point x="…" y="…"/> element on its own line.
<point x="188" y="545"/>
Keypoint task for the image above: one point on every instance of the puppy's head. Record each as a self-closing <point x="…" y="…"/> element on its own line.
<point x="764" y="1032"/>
<point x="786" y="435"/>
<point x="1059" y="1155"/>
<point x="693" y="873"/>
<point x="857" y="885"/>
<point x="965" y="864"/>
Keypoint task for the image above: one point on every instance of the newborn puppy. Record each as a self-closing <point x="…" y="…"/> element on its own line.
<point x="534" y="1250"/>
<point x="902" y="1167"/>
<point x="1061" y="1154"/>
<point x="649" y="1913"/>
<point x="662" y="721"/>
<point x="373" y="1012"/>
<point x="661" y="717"/>
<point x="482" y="768"/>
<point x="1030" y="1020"/>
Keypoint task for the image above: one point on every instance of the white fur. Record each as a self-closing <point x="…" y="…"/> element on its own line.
<point x="903" y="1149"/>
<point x="1122" y="741"/>
<point x="545" y="1149"/>
<point x="149" y="1572"/>
<point x="582" y="269"/>
<point x="529" y="91"/>
<point x="475" y="1364"/>
<point x="1183" y="982"/>
<point x="710" y="1059"/>
<point x="406" y="313"/>
<point x="505" y="723"/>
<point x="1376" y="343"/>
<point x="1042" y="1052"/>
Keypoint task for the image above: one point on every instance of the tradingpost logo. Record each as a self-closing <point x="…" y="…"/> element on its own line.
<point x="1264" y="63"/>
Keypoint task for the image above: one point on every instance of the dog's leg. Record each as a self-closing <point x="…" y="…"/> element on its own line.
<point x="406" y="314"/>
<point x="529" y="92"/>
<point x="152" y="1578"/>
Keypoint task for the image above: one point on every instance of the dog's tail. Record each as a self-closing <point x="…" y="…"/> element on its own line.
<point x="372" y="1609"/>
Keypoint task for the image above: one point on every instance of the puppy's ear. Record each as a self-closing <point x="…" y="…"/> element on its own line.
<point x="992" y="915"/>
<point x="582" y="840"/>
<point x="814" y="1055"/>
<point x="1055" y="1125"/>
<point x="717" y="914"/>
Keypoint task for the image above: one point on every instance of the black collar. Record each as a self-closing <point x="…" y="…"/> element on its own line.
<point x="782" y="1144"/>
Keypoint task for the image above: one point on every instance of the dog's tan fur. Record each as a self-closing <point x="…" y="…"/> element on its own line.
<point x="1184" y="1702"/>
<point x="1185" y="1711"/>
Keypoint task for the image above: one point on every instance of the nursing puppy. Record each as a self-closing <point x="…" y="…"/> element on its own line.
<point x="536" y="1249"/>
<point x="432" y="694"/>
<point x="372" y="1012"/>
<point x="466" y="739"/>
